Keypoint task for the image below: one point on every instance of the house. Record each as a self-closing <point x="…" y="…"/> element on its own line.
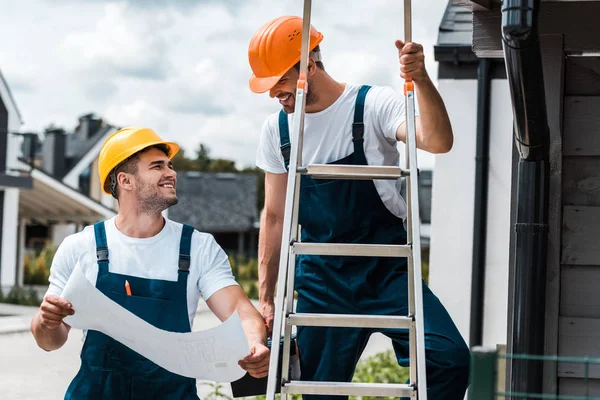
<point x="31" y="196"/>
<point x="72" y="158"/>
<point x="471" y="194"/>
<point x="223" y="204"/>
<point x="538" y="219"/>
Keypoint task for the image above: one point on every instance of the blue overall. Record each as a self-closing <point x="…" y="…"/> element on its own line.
<point x="351" y="211"/>
<point x="111" y="370"/>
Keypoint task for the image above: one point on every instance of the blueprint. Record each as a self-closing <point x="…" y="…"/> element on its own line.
<point x="212" y="354"/>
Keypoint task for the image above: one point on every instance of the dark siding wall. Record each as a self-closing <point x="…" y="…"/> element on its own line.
<point x="3" y="149"/>
<point x="579" y="324"/>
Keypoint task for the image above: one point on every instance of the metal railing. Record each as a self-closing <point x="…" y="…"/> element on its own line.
<point x="486" y="369"/>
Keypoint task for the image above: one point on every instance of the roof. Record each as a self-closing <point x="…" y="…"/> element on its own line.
<point x="455" y="35"/>
<point x="216" y="201"/>
<point x="52" y="200"/>
<point x="78" y="145"/>
<point x="4" y="88"/>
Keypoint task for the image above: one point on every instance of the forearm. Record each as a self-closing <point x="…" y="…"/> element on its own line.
<point x="433" y="128"/>
<point x="269" y="246"/>
<point x="49" y="339"/>
<point x="253" y="323"/>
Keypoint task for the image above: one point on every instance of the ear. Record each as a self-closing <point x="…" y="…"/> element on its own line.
<point x="312" y="67"/>
<point x="125" y="181"/>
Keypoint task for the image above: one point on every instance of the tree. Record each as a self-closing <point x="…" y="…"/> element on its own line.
<point x="222" y="165"/>
<point x="181" y="162"/>
<point x="203" y="160"/>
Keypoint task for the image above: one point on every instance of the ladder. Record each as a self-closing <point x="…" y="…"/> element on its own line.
<point x="291" y="246"/>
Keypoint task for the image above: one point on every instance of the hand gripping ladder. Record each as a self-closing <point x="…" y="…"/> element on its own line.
<point x="291" y="247"/>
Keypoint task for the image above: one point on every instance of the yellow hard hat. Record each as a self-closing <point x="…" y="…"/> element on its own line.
<point x="123" y="144"/>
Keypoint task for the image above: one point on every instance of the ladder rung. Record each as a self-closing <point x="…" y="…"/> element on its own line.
<point x="350" y="249"/>
<point x="348" y="389"/>
<point x="350" y="320"/>
<point x="355" y="172"/>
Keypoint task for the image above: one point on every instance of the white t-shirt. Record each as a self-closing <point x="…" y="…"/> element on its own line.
<point x="151" y="258"/>
<point x="328" y="137"/>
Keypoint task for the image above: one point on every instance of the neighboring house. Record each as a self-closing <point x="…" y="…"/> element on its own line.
<point x="73" y="159"/>
<point x="31" y="197"/>
<point x="477" y="98"/>
<point x="222" y="204"/>
<point x="567" y="273"/>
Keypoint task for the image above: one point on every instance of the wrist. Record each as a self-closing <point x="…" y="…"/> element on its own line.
<point x="265" y="296"/>
<point x="423" y="81"/>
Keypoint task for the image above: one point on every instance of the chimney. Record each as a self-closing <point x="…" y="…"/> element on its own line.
<point x="89" y="124"/>
<point x="54" y="152"/>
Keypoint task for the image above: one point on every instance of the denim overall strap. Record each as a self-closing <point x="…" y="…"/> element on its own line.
<point x="101" y="247"/>
<point x="284" y="137"/>
<point x="185" y="245"/>
<point x="358" y="126"/>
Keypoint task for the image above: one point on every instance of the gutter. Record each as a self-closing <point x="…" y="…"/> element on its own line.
<point x="482" y="159"/>
<point x="521" y="45"/>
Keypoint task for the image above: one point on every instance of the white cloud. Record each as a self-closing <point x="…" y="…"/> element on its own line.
<point x="181" y="67"/>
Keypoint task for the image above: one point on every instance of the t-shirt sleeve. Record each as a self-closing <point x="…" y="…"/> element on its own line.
<point x="389" y="112"/>
<point x="63" y="263"/>
<point x="389" y="109"/>
<point x="215" y="271"/>
<point x="268" y="155"/>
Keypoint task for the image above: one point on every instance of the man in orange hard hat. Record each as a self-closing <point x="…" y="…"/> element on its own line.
<point x="358" y="125"/>
<point x="154" y="267"/>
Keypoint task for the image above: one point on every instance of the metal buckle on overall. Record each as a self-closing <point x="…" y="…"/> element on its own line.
<point x="102" y="253"/>
<point x="358" y="130"/>
<point x="184" y="263"/>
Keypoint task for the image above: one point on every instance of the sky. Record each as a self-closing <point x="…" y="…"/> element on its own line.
<point x="181" y="66"/>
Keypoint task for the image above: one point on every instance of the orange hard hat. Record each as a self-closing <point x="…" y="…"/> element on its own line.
<point x="275" y="48"/>
<point x="123" y="144"/>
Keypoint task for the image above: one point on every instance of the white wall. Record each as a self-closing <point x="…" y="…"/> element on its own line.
<point x="10" y="224"/>
<point x="14" y="124"/>
<point x="452" y="205"/>
<point x="498" y="229"/>
<point x="60" y="232"/>
<point x="453" y="208"/>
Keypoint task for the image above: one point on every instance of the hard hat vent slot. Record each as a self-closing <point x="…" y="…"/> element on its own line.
<point x="294" y="34"/>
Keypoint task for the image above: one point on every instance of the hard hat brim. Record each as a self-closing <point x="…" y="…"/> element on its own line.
<point x="262" y="85"/>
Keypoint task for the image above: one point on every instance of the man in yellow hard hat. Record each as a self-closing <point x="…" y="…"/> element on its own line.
<point x="357" y="125"/>
<point x="154" y="267"/>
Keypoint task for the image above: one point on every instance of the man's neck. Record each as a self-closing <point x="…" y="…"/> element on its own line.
<point x="328" y="92"/>
<point x="139" y="225"/>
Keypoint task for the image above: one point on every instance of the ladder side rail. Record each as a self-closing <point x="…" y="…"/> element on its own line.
<point x="291" y="207"/>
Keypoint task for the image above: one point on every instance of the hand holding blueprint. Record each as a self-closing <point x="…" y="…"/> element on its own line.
<point x="212" y="354"/>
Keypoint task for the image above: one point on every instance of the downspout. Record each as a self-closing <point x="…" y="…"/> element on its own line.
<point x="482" y="158"/>
<point x="521" y="44"/>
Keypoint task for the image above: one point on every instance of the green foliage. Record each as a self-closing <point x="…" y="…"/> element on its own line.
<point x="37" y="268"/>
<point x="22" y="296"/>
<point x="203" y="160"/>
<point x="380" y="368"/>
<point x="217" y="392"/>
<point x="251" y="289"/>
<point x="425" y="265"/>
<point x="245" y="270"/>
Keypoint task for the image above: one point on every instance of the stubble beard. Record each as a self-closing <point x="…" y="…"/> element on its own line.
<point x="152" y="202"/>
